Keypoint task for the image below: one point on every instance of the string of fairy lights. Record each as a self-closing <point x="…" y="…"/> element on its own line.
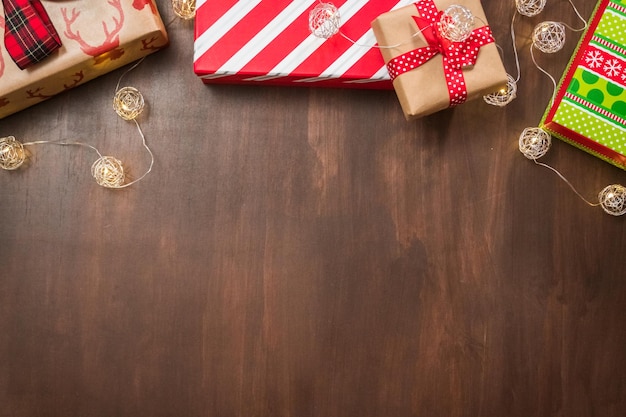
<point x="456" y="24"/>
<point x="534" y="142"/>
<point x="128" y="103"/>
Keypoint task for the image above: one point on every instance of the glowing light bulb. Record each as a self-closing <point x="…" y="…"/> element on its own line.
<point x="456" y="23"/>
<point x="549" y="37"/>
<point x="12" y="154"/>
<point x="613" y="199"/>
<point x="530" y="8"/>
<point x="503" y="96"/>
<point x="128" y="103"/>
<point x="324" y="20"/>
<point x="534" y="142"/>
<point x="108" y="172"/>
<point x="185" y="9"/>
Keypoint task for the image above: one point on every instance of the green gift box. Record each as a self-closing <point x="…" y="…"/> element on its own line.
<point x="589" y="109"/>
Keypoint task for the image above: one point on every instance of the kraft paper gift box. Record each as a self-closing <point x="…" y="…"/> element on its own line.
<point x="97" y="37"/>
<point x="589" y="110"/>
<point x="269" y="42"/>
<point x="423" y="90"/>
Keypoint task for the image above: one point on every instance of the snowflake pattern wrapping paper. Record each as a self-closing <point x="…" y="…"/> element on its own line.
<point x="589" y="110"/>
<point x="98" y="36"/>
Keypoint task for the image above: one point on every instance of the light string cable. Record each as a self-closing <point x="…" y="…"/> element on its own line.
<point x="108" y="171"/>
<point x="549" y="37"/>
<point x="515" y="52"/>
<point x="128" y="103"/>
<point x="325" y="22"/>
<point x="534" y="142"/>
<point x="571" y="186"/>
<point x="508" y="93"/>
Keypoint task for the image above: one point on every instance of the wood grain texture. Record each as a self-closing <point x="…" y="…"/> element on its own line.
<point x="307" y="252"/>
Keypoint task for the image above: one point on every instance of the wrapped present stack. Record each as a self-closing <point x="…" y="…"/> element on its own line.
<point x="270" y="42"/>
<point x="589" y="110"/>
<point x="95" y="36"/>
<point x="431" y="72"/>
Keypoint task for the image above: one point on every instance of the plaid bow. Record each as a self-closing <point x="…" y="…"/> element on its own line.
<point x="29" y="36"/>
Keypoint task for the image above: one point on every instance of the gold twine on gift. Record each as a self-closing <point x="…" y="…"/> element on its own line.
<point x="12" y="154"/>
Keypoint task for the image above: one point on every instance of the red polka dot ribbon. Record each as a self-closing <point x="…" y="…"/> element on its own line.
<point x="456" y="55"/>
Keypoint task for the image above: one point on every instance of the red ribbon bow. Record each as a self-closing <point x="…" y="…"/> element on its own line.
<point x="29" y="35"/>
<point x="456" y="55"/>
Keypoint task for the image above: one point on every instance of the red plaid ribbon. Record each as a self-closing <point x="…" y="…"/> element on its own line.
<point x="456" y="55"/>
<point x="28" y="32"/>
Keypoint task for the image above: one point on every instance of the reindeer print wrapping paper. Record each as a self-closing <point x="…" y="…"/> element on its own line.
<point x="98" y="36"/>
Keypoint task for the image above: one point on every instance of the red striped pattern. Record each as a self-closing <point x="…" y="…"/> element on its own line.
<point x="608" y="45"/>
<point x="323" y="59"/>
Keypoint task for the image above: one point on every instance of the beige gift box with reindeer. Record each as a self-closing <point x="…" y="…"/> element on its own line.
<point x="98" y="36"/>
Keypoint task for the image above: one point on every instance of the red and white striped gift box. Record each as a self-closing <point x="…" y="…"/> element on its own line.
<point x="269" y="42"/>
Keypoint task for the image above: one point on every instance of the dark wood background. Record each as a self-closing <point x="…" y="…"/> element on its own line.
<point x="308" y="252"/>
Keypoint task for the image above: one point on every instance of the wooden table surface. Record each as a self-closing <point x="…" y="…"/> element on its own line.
<point x="307" y="252"/>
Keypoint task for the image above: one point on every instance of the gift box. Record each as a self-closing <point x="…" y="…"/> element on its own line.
<point x="97" y="37"/>
<point x="269" y="42"/>
<point x="589" y="109"/>
<point x="423" y="64"/>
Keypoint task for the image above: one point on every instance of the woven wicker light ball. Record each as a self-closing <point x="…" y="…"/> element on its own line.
<point x="456" y="23"/>
<point x="549" y="37"/>
<point x="503" y="96"/>
<point x="128" y="103"/>
<point x="613" y="199"/>
<point x="530" y="8"/>
<point x="324" y="20"/>
<point x="108" y="172"/>
<point x="534" y="142"/>
<point x="185" y="9"/>
<point x="12" y="154"/>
